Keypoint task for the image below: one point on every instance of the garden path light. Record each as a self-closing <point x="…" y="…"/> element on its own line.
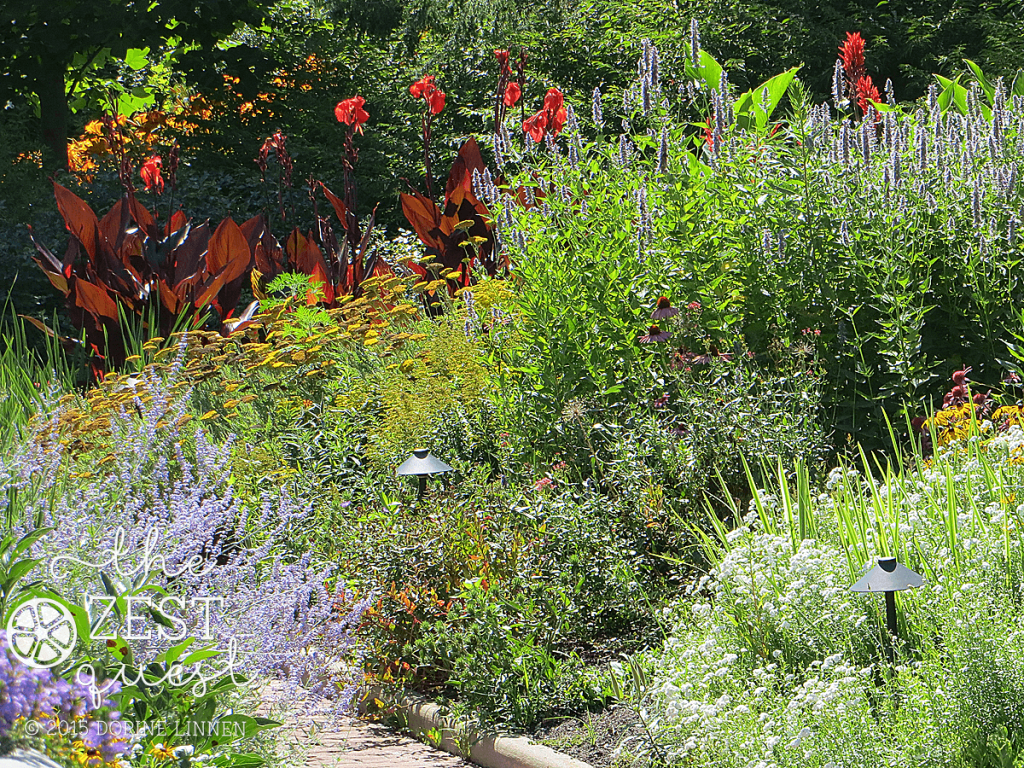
<point x="889" y="577"/>
<point x="423" y="464"/>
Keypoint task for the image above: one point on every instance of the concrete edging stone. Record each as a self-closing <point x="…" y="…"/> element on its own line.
<point x="26" y="758"/>
<point x="488" y="750"/>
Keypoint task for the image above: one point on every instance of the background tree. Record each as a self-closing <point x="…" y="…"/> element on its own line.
<point x="47" y="47"/>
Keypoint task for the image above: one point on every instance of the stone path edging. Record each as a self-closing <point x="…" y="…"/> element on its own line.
<point x="26" y="758"/>
<point x="487" y="750"/>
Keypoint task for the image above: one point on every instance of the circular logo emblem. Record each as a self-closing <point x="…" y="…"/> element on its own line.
<point x="41" y="632"/>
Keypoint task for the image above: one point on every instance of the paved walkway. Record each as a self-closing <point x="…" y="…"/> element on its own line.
<point x="357" y="744"/>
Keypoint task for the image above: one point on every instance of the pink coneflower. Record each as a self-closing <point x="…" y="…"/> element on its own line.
<point x="655" y="334"/>
<point x="664" y="309"/>
<point x="713" y="354"/>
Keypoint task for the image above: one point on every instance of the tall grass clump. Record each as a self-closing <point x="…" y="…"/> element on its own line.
<point x="28" y="375"/>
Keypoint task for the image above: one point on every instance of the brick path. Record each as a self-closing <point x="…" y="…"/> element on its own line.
<point x="357" y="744"/>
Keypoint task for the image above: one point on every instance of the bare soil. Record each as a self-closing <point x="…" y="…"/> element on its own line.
<point x="596" y="738"/>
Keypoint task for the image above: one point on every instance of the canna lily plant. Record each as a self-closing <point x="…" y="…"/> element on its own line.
<point x="179" y="274"/>
<point x="461" y="232"/>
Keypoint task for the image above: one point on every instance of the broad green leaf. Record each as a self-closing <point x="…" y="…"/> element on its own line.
<point x="983" y="81"/>
<point x="752" y="109"/>
<point x="953" y="94"/>
<point x="707" y="70"/>
<point x="1017" y="89"/>
<point x="136" y="58"/>
<point x="173" y="653"/>
<point x="242" y="727"/>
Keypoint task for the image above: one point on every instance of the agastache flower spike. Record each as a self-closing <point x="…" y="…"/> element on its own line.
<point x="694" y="42"/>
<point x="595" y="108"/>
<point x="663" y="152"/>
<point x="844" y="138"/>
<point x="976" y="202"/>
<point x="866" y="140"/>
<point x="838" y="85"/>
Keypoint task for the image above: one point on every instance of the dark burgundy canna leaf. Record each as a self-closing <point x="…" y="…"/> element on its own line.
<point x="79" y="219"/>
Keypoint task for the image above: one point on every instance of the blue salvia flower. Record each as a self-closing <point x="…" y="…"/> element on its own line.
<point x="890" y="95"/>
<point x="694" y="42"/>
<point x="595" y="108"/>
<point x="933" y="101"/>
<point x="663" y="151"/>
<point x="844" y="233"/>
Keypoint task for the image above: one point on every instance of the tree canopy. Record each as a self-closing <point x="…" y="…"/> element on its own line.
<point x="46" y="47"/>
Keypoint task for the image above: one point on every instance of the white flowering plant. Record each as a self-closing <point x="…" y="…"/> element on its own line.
<point x="773" y="661"/>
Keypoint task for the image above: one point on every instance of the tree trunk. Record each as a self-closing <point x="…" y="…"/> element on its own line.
<point x="53" y="116"/>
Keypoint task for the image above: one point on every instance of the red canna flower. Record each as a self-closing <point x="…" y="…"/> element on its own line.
<point x="536" y="126"/>
<point x="502" y="57"/>
<point x="351" y="112"/>
<point x="436" y="101"/>
<point x="851" y="51"/>
<point x="709" y="137"/>
<point x="866" y="93"/>
<point x="558" y="120"/>
<point x="423" y="87"/>
<point x="150" y="172"/>
<point x="553" y="100"/>
<point x="512" y="94"/>
<point x="550" y="118"/>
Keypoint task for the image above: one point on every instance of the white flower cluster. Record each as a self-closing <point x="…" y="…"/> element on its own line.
<point x="774" y="661"/>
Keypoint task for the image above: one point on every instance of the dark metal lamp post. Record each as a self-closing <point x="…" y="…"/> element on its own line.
<point x="889" y="577"/>
<point x="423" y="465"/>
